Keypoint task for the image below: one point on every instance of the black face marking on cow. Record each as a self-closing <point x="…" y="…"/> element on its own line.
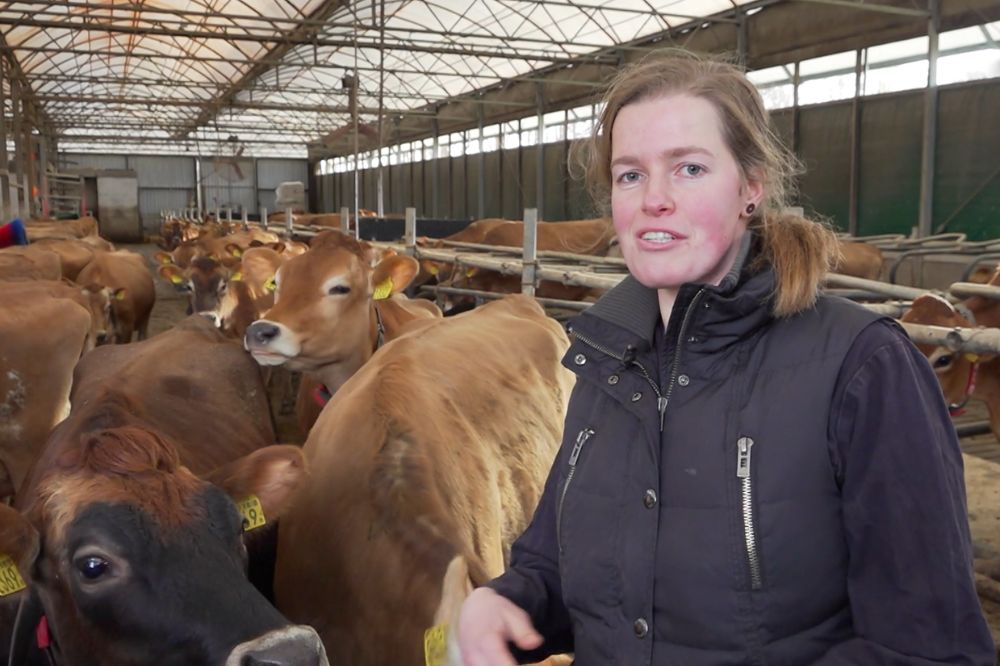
<point x="148" y="594"/>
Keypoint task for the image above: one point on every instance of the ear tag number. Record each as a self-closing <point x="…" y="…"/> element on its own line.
<point x="10" y="578"/>
<point x="436" y="645"/>
<point x="252" y="512"/>
<point x="383" y="290"/>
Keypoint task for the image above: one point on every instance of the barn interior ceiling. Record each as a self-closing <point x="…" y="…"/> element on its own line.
<point x="327" y="76"/>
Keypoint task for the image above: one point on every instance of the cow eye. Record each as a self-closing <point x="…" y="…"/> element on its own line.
<point x="942" y="361"/>
<point x="92" y="567"/>
<point x="339" y="289"/>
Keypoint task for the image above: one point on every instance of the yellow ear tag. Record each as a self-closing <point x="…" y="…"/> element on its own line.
<point x="176" y="279"/>
<point x="10" y="578"/>
<point x="270" y="285"/>
<point x="469" y="272"/>
<point x="432" y="269"/>
<point x="236" y="277"/>
<point x="383" y="290"/>
<point x="120" y="296"/>
<point x="436" y="645"/>
<point x="972" y="358"/>
<point x="252" y="512"/>
<point x="236" y="252"/>
<point x="166" y="261"/>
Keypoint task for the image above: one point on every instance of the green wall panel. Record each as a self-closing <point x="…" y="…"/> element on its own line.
<point x="824" y="148"/>
<point x="889" y="192"/>
<point x="510" y="185"/>
<point x="967" y="173"/>
<point x="492" y="184"/>
<point x="473" y="167"/>
<point x="555" y="195"/>
<point x="458" y="191"/>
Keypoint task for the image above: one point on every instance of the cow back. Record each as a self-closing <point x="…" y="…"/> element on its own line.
<point x="190" y="383"/>
<point x="438" y="446"/>
<point x="41" y="340"/>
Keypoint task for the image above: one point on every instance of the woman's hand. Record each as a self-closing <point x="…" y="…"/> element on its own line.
<point x="486" y="623"/>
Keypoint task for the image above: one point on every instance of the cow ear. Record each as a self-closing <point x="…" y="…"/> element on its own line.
<point x="268" y="475"/>
<point x="928" y="307"/>
<point x="400" y="269"/>
<point x="278" y="247"/>
<point x="162" y="258"/>
<point x="18" y="549"/>
<point x="234" y="250"/>
<point x="172" y="274"/>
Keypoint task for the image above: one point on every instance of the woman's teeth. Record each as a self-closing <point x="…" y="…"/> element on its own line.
<point x="657" y="236"/>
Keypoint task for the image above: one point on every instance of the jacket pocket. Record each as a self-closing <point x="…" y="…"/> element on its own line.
<point x="587" y="528"/>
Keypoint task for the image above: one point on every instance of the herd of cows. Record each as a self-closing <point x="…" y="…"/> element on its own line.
<point x="153" y="515"/>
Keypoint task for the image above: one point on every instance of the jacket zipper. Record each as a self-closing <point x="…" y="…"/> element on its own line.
<point x="662" y="398"/>
<point x="743" y="446"/>
<point x="677" y="353"/>
<point x="661" y="402"/>
<point x="574" y="455"/>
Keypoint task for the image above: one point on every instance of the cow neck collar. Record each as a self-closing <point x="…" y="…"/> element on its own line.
<point x="379" y="327"/>
<point x="958" y="409"/>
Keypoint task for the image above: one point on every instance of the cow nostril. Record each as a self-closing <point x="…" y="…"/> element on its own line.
<point x="262" y="332"/>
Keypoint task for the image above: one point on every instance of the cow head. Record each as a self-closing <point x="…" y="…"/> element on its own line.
<point x="205" y="280"/>
<point x="100" y="302"/>
<point x="324" y="313"/>
<point x="134" y="560"/>
<point x="953" y="369"/>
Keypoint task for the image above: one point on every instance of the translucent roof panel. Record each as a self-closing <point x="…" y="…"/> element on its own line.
<point x="161" y="70"/>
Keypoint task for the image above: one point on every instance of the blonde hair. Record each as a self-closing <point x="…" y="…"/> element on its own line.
<point x="799" y="250"/>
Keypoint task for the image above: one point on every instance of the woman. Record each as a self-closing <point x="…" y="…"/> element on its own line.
<point x="750" y="473"/>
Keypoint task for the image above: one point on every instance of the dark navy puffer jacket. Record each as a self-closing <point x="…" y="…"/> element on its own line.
<point x="745" y="490"/>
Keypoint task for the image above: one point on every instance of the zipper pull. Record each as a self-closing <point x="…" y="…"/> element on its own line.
<point x="661" y="407"/>
<point x="743" y="445"/>
<point x="581" y="439"/>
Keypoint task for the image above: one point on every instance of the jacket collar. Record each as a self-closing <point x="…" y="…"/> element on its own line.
<point x="739" y="304"/>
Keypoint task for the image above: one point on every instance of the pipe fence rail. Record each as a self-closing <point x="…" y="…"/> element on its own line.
<point x="534" y="265"/>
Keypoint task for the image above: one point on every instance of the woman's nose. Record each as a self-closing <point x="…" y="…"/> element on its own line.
<point x="657" y="200"/>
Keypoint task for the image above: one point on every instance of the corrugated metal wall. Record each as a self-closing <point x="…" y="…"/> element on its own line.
<point x="170" y="182"/>
<point x="967" y="173"/>
<point x="229" y="183"/>
<point x="273" y="172"/>
<point x="165" y="183"/>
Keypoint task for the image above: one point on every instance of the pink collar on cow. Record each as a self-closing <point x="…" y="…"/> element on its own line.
<point x="321" y="394"/>
<point x="970" y="386"/>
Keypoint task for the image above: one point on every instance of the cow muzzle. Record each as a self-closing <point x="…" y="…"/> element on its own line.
<point x="271" y="343"/>
<point x="289" y="646"/>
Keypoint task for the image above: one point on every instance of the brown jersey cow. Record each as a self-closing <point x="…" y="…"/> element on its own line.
<point x="122" y="477"/>
<point x="131" y="284"/>
<point x="436" y="449"/>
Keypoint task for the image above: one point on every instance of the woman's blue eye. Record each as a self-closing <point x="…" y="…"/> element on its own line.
<point x="92" y="568"/>
<point x="693" y="169"/>
<point x="628" y="177"/>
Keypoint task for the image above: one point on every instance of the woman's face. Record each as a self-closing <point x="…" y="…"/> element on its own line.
<point x="678" y="198"/>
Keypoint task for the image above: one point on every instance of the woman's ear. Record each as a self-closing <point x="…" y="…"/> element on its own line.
<point x="753" y="189"/>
